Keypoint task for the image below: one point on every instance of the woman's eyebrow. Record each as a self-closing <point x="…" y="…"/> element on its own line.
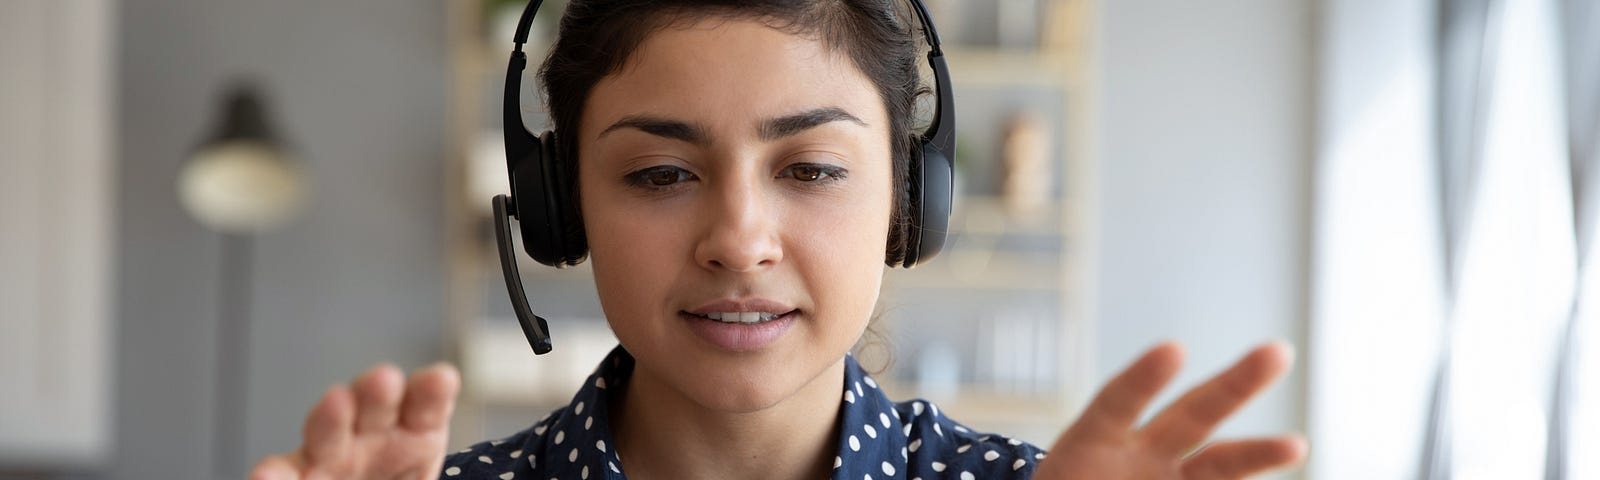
<point x="662" y="127"/>
<point x="787" y="125"/>
<point x="770" y="130"/>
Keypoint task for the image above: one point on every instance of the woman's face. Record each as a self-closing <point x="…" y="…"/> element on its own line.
<point x="734" y="173"/>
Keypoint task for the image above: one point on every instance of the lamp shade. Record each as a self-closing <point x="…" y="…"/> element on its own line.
<point x="242" y="180"/>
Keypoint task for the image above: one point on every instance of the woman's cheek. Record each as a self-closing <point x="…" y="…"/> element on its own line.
<point x="844" y="252"/>
<point x="633" y="252"/>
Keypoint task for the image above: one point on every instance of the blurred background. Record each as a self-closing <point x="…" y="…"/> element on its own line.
<point x="211" y="210"/>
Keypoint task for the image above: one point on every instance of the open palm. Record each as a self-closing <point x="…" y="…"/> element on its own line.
<point x="382" y="426"/>
<point x="1107" y="443"/>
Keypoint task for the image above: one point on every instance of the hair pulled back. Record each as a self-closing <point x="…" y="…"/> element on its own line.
<point x="597" y="37"/>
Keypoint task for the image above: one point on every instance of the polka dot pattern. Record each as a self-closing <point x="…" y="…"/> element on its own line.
<point x="913" y="440"/>
<point x="878" y="439"/>
<point x="575" y="440"/>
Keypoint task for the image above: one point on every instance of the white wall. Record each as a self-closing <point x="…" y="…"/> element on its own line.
<point x="1205" y="118"/>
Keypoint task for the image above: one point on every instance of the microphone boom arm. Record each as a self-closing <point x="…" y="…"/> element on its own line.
<point x="534" y="327"/>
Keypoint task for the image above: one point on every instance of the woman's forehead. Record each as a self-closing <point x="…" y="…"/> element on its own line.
<point x="730" y="74"/>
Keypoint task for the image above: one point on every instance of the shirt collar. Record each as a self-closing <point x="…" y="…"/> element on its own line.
<point x="576" y="441"/>
<point x="872" y="436"/>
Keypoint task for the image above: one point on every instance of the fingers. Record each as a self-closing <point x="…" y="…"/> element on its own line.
<point x="327" y="431"/>
<point x="1193" y="417"/>
<point x="1243" y="458"/>
<point x="277" y="467"/>
<point x="1117" y="407"/>
<point x="430" y="398"/>
<point x="378" y="398"/>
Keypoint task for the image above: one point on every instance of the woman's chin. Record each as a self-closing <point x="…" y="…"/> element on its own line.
<point x="760" y="385"/>
<point x="742" y="390"/>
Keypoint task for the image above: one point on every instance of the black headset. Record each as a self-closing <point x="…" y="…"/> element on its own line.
<point x="541" y="197"/>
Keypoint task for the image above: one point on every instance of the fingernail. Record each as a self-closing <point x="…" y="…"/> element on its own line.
<point x="1287" y="346"/>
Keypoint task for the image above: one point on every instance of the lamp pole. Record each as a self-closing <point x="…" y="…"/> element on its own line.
<point x="239" y="182"/>
<point x="233" y="351"/>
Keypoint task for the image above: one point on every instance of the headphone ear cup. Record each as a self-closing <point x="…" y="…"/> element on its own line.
<point x="568" y="223"/>
<point x="528" y="184"/>
<point x="932" y="195"/>
<point x="540" y="193"/>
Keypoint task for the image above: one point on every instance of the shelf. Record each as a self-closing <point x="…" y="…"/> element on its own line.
<point x="1035" y="418"/>
<point x="988" y="67"/>
<point x="498" y="367"/>
<point x="987" y="215"/>
<point x="977" y="271"/>
<point x="982" y="403"/>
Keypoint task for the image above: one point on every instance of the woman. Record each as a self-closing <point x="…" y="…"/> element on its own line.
<point x="738" y="168"/>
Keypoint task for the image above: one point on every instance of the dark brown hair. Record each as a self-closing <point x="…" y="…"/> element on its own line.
<point x="598" y="36"/>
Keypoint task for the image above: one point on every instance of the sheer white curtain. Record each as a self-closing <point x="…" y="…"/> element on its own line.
<point x="1448" y="331"/>
<point x="1377" y="298"/>
<point x="1575" y="423"/>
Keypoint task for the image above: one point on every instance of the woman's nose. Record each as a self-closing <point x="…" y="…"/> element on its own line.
<point x="741" y="233"/>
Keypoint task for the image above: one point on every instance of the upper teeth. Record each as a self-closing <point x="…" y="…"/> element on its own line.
<point x="742" y="317"/>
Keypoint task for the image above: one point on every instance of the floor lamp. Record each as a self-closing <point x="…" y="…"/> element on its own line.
<point x="239" y="182"/>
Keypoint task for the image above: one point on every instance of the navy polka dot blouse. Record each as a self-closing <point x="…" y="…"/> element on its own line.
<point x="880" y="439"/>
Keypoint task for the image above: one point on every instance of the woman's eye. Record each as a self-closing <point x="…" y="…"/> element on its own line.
<point x="807" y="172"/>
<point x="659" y="176"/>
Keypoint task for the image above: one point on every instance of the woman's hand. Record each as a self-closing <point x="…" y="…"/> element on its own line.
<point x="382" y="426"/>
<point x="1105" y="442"/>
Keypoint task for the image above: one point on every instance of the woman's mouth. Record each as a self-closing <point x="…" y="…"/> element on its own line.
<point x="740" y="331"/>
<point x="742" y="317"/>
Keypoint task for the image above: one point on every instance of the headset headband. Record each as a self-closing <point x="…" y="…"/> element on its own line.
<point x="941" y="134"/>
